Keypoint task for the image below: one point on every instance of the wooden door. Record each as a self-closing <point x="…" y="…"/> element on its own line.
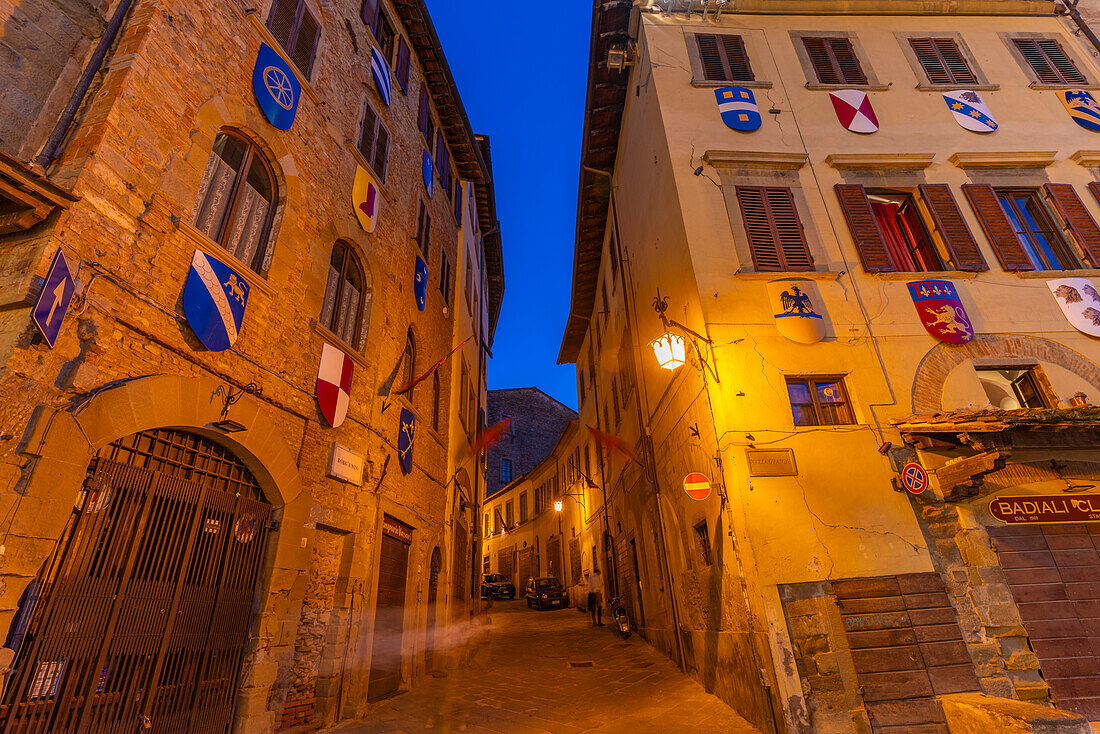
<point x="553" y="558"/>
<point x="389" y="614"/>
<point x="1054" y="574"/>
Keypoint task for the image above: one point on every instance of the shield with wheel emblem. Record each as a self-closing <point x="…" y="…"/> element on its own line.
<point x="277" y="89"/>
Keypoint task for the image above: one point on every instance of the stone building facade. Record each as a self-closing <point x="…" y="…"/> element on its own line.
<point x="537" y="421"/>
<point x="769" y="189"/>
<point x="303" y="570"/>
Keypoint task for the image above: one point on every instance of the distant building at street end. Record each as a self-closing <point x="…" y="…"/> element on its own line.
<point x="536" y="422"/>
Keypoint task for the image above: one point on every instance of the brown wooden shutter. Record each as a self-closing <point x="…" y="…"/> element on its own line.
<point x="775" y="232"/>
<point x="281" y="22"/>
<point x="997" y="227"/>
<point x="1080" y="222"/>
<point x="864" y="227"/>
<point x="1049" y="61"/>
<point x="369" y="13"/>
<point x="305" y="44"/>
<point x="403" y="63"/>
<point x="381" y="152"/>
<point x="366" y="135"/>
<point x="952" y="227"/>
<point x="723" y="58"/>
<point x="834" y="60"/>
<point x="424" y="116"/>
<point x="942" y="61"/>
<point x="845" y="55"/>
<point x="819" y="57"/>
<point x="737" y="58"/>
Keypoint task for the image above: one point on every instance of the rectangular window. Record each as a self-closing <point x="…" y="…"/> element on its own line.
<point x="424" y="230"/>
<point x="819" y="401"/>
<point x="539" y="504"/>
<point x="723" y="58"/>
<point x="1011" y="388"/>
<point x="1048" y="61"/>
<point x="595" y="560"/>
<point x="374" y="142"/>
<point x="443" y="163"/>
<point x="702" y="543"/>
<point x="424" y="117"/>
<point x="580" y="385"/>
<point x="505" y="470"/>
<point x="942" y="61"/>
<point x="459" y="200"/>
<point x="834" y="60"/>
<point x="297" y="31"/>
<point x="774" y="229"/>
<point x="402" y="65"/>
<point x="908" y="242"/>
<point x="486" y="524"/>
<point x="1040" y="238"/>
<point x="469" y="283"/>
<point x="509" y="516"/>
<point x="383" y="33"/>
<point x="523" y="507"/>
<point x="445" y="278"/>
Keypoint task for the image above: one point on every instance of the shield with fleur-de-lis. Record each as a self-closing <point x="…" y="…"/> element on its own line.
<point x="405" y="428"/>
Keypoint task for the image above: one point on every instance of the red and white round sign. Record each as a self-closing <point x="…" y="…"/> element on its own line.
<point x="914" y="477"/>
<point x="697" y="486"/>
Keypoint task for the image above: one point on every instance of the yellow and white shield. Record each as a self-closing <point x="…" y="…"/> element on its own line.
<point x="366" y="198"/>
<point x="798" y="310"/>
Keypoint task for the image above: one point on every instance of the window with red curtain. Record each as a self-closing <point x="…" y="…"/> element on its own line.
<point x="910" y="246"/>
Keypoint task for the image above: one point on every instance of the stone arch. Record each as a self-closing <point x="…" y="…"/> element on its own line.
<point x="941" y="359"/>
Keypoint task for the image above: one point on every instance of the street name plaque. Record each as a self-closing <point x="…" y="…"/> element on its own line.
<point x="1035" y="509"/>
<point x="771" y="462"/>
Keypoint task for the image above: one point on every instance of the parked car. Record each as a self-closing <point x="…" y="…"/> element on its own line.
<point x="495" y="586"/>
<point x="546" y="592"/>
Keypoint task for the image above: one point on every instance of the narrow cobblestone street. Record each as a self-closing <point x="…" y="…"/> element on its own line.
<point x="523" y="679"/>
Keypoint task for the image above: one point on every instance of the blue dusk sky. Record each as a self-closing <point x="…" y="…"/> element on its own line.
<point x="521" y="70"/>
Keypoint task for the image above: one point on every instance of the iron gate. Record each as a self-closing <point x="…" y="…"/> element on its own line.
<point x="138" y="620"/>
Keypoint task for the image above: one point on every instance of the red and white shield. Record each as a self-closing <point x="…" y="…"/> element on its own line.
<point x="334" y="384"/>
<point x="853" y="109"/>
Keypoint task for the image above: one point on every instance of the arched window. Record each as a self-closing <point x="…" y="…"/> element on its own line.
<point x="237" y="200"/>
<point x="409" y="360"/>
<point x="346" y="292"/>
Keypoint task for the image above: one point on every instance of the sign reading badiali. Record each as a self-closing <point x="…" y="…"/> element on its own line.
<point x="277" y="89"/>
<point x="1082" y="107"/>
<point x="406" y="427"/>
<point x="334" y="384"/>
<point x="697" y="486"/>
<point x="941" y="311"/>
<point x="214" y="299"/>
<point x="366" y="197"/>
<point x="853" y="109"/>
<point x="1033" y="509"/>
<point x="1079" y="301"/>
<point x="737" y="105"/>
<point x="970" y="111"/>
<point x="796" y="305"/>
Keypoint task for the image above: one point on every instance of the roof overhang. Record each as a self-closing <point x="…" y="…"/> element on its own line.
<point x="26" y="198"/>
<point x="982" y="429"/>
<point x="600" y="143"/>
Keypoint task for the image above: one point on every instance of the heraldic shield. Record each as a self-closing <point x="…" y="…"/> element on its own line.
<point x="970" y="111"/>
<point x="276" y="87"/>
<point x="214" y="299"/>
<point x="941" y="311"/>
<point x="334" y="384"/>
<point x="405" y="429"/>
<point x="796" y="305"/>
<point x="1082" y="107"/>
<point x="737" y="105"/>
<point x="1079" y="301"/>
<point x="420" y="283"/>
<point x="366" y="197"/>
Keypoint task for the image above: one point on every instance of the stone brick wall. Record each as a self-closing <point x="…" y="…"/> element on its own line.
<point x="537" y="421"/>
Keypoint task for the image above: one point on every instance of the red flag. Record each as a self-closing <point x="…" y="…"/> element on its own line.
<point x="435" y="366"/>
<point x="612" y="443"/>
<point x="488" y="437"/>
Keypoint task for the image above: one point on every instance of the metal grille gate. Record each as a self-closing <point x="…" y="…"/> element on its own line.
<point x="138" y="620"/>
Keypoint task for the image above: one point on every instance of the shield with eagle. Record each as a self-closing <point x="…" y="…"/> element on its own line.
<point x="796" y="305"/>
<point x="1079" y="301"/>
<point x="940" y="310"/>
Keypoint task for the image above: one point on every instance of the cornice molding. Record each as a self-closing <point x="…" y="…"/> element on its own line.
<point x="880" y="160"/>
<point x="1037" y="159"/>
<point x="764" y="159"/>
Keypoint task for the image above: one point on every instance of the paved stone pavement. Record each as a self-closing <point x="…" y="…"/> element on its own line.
<point x="520" y="681"/>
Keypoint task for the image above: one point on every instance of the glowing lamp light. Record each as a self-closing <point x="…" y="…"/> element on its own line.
<point x="557" y="505"/>
<point x="669" y="350"/>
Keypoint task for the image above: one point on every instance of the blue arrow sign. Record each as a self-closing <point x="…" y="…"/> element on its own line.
<point x="53" y="301"/>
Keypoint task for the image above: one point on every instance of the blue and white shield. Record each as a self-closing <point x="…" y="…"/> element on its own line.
<point x="420" y="282"/>
<point x="214" y="299"/>
<point x="426" y="172"/>
<point x="1082" y="107"/>
<point x="970" y="111"/>
<point x="405" y="429"/>
<point x="738" y="108"/>
<point x="380" y="70"/>
<point x="277" y="89"/>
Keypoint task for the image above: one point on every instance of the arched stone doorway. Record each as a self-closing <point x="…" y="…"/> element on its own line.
<point x="139" y="617"/>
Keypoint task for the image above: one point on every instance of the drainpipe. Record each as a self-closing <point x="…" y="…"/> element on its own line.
<point x="53" y="146"/>
<point x="1072" y="12"/>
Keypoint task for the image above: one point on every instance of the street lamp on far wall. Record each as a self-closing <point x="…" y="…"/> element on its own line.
<point x="557" y="505"/>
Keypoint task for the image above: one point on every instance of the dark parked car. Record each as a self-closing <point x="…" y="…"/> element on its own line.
<point x="546" y="592"/>
<point x="495" y="586"/>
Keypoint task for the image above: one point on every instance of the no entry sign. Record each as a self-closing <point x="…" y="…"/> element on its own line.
<point x="914" y="477"/>
<point x="697" y="486"/>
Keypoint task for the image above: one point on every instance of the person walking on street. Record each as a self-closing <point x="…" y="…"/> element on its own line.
<point x="595" y="589"/>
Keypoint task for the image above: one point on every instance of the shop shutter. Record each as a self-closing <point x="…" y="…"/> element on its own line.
<point x="998" y="230"/>
<point x="723" y="57"/>
<point x="403" y="63"/>
<point x="952" y="227"/>
<point x="775" y="232"/>
<point x="865" y="230"/>
<point x="834" y="60"/>
<point x="305" y="43"/>
<point x="1080" y="222"/>
<point x="942" y="61"/>
<point x="1049" y="61"/>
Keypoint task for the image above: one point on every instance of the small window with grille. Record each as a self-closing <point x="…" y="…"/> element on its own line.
<point x="834" y="60"/>
<point x="942" y="61"/>
<point x="1049" y="62"/>
<point x="702" y="543"/>
<point x="722" y="57"/>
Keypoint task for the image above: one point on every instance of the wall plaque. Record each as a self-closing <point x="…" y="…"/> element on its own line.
<point x="771" y="462"/>
<point x="345" y="465"/>
<point x="1033" y="509"/>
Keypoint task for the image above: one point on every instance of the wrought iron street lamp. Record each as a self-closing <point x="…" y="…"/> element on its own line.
<point x="670" y="348"/>
<point x="557" y="505"/>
